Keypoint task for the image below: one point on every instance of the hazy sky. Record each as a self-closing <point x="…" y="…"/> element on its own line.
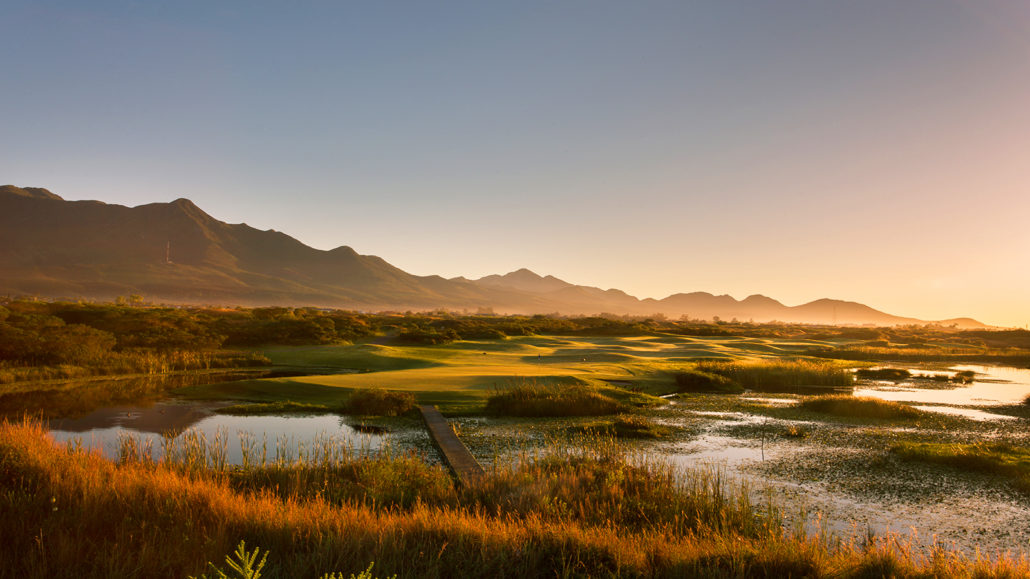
<point x="876" y="151"/>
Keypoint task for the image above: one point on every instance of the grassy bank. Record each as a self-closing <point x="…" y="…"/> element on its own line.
<point x="74" y="514"/>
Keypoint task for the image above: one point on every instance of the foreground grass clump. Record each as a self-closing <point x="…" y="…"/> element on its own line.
<point x="379" y="402"/>
<point x="542" y="399"/>
<point x="780" y="375"/>
<point x="282" y="407"/>
<point x="70" y="513"/>
<point x="1011" y="462"/>
<point x="859" y="407"/>
<point x="698" y="381"/>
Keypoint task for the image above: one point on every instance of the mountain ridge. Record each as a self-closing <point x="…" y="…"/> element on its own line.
<point x="178" y="253"/>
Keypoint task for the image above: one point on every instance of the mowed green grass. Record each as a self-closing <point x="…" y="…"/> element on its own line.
<point x="458" y="377"/>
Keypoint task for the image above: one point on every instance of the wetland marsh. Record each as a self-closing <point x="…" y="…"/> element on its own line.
<point x="839" y="490"/>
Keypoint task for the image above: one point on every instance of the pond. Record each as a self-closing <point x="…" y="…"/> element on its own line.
<point x="72" y="398"/>
<point x="177" y="422"/>
<point x="992" y="386"/>
<point x="850" y="488"/>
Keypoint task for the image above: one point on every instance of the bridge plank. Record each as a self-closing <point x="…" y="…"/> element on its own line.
<point x="455" y="454"/>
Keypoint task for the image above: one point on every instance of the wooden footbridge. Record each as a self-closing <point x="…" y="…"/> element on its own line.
<point x="455" y="454"/>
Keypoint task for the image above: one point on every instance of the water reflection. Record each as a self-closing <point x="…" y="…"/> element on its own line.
<point x="992" y="386"/>
<point x="289" y="436"/>
<point x="82" y="397"/>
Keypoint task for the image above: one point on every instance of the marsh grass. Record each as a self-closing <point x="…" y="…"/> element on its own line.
<point x="859" y="407"/>
<point x="575" y="512"/>
<point x="530" y="398"/>
<point x="281" y="407"/>
<point x="625" y="426"/>
<point x="780" y="375"/>
<point x="1000" y="458"/>
<point x="379" y="402"/>
<point x="700" y="381"/>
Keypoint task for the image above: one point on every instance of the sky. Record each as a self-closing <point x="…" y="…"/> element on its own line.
<point x="874" y="151"/>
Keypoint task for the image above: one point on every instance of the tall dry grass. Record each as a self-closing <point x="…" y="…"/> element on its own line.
<point x="780" y="374"/>
<point x="860" y="407"/>
<point x="70" y="513"/>
<point x="535" y="399"/>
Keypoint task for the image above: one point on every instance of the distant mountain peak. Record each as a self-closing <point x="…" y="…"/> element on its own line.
<point x="31" y="192"/>
<point x="524" y="280"/>
<point x="759" y="299"/>
<point x="523" y="273"/>
<point x="176" y="252"/>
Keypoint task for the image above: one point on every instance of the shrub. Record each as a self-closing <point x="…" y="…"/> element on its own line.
<point x="895" y="374"/>
<point x="379" y="402"/>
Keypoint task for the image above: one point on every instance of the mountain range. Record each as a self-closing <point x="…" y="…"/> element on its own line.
<point x="176" y="253"/>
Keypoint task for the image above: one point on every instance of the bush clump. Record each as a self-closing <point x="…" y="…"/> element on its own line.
<point x="895" y="374"/>
<point x="535" y="399"/>
<point x="698" y="381"/>
<point x="379" y="402"/>
<point x="859" y="406"/>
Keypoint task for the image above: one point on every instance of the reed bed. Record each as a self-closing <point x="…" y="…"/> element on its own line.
<point x="860" y="407"/>
<point x="780" y="374"/>
<point x="536" y="399"/>
<point x="576" y="512"/>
